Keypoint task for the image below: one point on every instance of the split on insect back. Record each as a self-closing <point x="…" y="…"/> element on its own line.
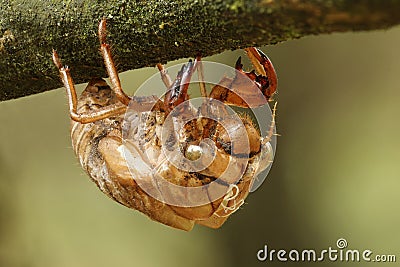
<point x="180" y="160"/>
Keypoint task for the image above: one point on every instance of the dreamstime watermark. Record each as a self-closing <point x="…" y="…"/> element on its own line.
<point x="339" y="253"/>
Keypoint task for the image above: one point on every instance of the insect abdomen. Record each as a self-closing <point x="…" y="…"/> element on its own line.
<point x="96" y="146"/>
<point x="86" y="137"/>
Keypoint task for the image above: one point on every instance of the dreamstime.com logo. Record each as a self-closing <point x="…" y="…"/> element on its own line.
<point x="339" y="253"/>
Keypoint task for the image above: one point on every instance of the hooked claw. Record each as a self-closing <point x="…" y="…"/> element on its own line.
<point x="178" y="92"/>
<point x="268" y="80"/>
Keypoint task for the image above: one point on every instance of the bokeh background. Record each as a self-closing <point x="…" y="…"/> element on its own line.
<point x="336" y="173"/>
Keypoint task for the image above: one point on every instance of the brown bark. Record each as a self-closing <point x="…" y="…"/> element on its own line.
<point x="145" y="33"/>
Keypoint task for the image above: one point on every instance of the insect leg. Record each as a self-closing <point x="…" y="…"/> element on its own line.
<point x="110" y="65"/>
<point x="263" y="65"/>
<point x="247" y="89"/>
<point x="200" y="74"/>
<point x="164" y="76"/>
<point x="178" y="92"/>
<point x="271" y="127"/>
<point x="72" y="98"/>
<point x="230" y="91"/>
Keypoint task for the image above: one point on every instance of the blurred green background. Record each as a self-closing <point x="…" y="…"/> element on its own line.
<point x="336" y="173"/>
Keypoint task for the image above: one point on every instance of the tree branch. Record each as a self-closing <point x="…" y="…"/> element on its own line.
<point x="144" y="33"/>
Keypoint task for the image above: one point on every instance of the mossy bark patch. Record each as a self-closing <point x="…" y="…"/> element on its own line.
<point x="147" y="32"/>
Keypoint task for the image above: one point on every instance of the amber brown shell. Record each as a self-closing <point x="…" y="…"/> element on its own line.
<point x="97" y="148"/>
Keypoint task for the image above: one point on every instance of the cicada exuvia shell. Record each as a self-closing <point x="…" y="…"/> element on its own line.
<point x="179" y="163"/>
